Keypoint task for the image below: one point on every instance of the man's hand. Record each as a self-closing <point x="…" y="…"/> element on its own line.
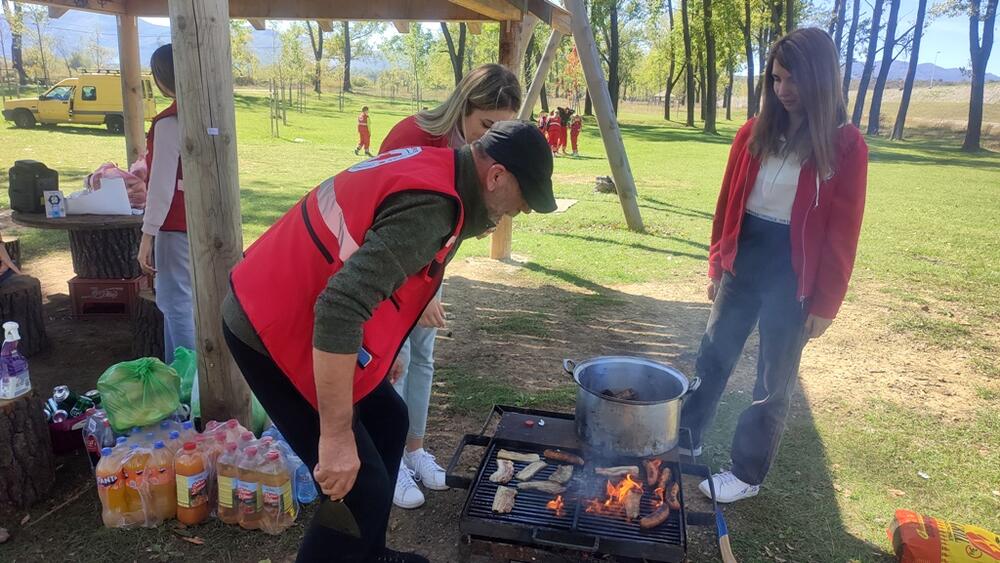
<point x="146" y="255"/>
<point x="713" y="289"/>
<point x="433" y="315"/>
<point x="816" y="326"/>
<point x="338" y="464"/>
<point x="396" y="371"/>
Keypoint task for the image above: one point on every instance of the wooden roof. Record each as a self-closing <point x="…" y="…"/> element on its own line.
<point x="384" y="10"/>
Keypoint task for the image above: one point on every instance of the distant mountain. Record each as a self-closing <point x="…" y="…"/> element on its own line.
<point x="925" y="72"/>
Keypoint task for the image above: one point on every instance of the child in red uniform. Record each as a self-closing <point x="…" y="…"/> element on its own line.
<point x="364" y="133"/>
<point x="555" y="132"/>
<point x="574" y="132"/>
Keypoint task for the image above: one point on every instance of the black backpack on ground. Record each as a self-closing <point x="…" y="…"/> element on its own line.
<point x="28" y="179"/>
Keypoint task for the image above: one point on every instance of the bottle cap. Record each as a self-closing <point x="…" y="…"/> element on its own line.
<point x="120" y="440"/>
<point x="10" y="331"/>
<point x="164" y="425"/>
<point x="246" y="436"/>
<point x="232" y="423"/>
<point x="174" y="434"/>
<point x="105" y="452"/>
<point x="273" y="455"/>
<point x="158" y="445"/>
<point x="251" y="451"/>
<point x="187" y="425"/>
<point x="231" y="447"/>
<point x="189" y="446"/>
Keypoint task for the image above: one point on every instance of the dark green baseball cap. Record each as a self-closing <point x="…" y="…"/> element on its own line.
<point x="523" y="150"/>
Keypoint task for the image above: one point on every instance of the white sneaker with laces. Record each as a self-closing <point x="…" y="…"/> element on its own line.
<point x="407" y="494"/>
<point x="728" y="488"/>
<point x="426" y="470"/>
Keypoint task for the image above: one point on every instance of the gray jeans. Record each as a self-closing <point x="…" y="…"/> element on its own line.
<point x="762" y="293"/>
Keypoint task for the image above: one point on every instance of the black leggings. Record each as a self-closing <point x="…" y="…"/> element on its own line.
<point x="380" y="425"/>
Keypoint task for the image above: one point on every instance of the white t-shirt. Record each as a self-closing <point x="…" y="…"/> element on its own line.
<point x="774" y="190"/>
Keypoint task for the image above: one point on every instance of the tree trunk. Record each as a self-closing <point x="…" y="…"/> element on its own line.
<point x="748" y="48"/>
<point x="789" y="15"/>
<point x="911" y="72"/>
<point x="41" y="49"/>
<point x="689" y="94"/>
<point x="711" y="88"/>
<point x="762" y="42"/>
<point x="147" y="327"/>
<point x="866" y="74"/>
<point x="317" y="46"/>
<point x="701" y="89"/>
<point x="27" y="469"/>
<point x="457" y="55"/>
<point x="588" y="106"/>
<point x="838" y="31"/>
<point x="874" y="114"/>
<point x="13" y="246"/>
<point x="16" y="55"/>
<point x="614" y="54"/>
<point x="673" y="65"/>
<point x="980" y="55"/>
<point x="849" y="53"/>
<point x="543" y="98"/>
<point x="777" y="16"/>
<point x="347" y="57"/>
<point x="729" y="94"/>
<point x="105" y="254"/>
<point x="21" y="302"/>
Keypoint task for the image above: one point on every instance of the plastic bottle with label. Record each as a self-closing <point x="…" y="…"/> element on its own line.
<point x="111" y="489"/>
<point x="14" y="378"/>
<point x="302" y="480"/>
<point x="173" y="442"/>
<point x="162" y="483"/>
<point x="279" y="510"/>
<point x="136" y="492"/>
<point x="248" y="489"/>
<point x="228" y="478"/>
<point x="187" y="431"/>
<point x="191" y="471"/>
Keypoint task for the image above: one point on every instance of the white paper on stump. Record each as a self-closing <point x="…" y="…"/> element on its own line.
<point x="111" y="199"/>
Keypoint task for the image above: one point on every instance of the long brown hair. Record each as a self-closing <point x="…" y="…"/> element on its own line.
<point x="811" y="58"/>
<point x="488" y="87"/>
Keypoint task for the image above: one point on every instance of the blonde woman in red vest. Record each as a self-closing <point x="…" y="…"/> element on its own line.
<point x="322" y="302"/>
<point x="164" y="225"/>
<point x="784" y="239"/>
<point x="486" y="95"/>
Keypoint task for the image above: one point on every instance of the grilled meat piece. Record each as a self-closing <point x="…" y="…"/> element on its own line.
<point x="503" y="500"/>
<point x="627" y="394"/>
<point x="673" y="498"/>
<point x="517" y="456"/>
<point x="657" y="517"/>
<point x="528" y="472"/>
<point x="633" y="504"/>
<point x="617" y="471"/>
<point x="652" y="470"/>
<point x="665" y="475"/>
<point x="504" y="472"/>
<point x="565" y="457"/>
<point x="562" y="475"/>
<point x="549" y="487"/>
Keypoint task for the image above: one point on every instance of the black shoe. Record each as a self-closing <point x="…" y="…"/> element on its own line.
<point x="389" y="556"/>
<point x="368" y="154"/>
<point x="357" y="151"/>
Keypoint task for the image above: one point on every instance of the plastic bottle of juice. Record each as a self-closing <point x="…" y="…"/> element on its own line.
<point x="173" y="442"/>
<point x="192" y="485"/>
<point x="233" y="430"/>
<point x="278" y="512"/>
<point x="111" y="489"/>
<point x="228" y="480"/>
<point x="246" y="439"/>
<point x="133" y="471"/>
<point x="248" y="489"/>
<point x="187" y="431"/>
<point x="162" y="484"/>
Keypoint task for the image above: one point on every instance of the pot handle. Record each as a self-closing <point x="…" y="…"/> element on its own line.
<point x="692" y="387"/>
<point x="569" y="366"/>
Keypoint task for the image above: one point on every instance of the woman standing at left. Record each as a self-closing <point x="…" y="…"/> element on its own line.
<point x="164" y="226"/>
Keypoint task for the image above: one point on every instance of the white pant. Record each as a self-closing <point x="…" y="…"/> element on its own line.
<point x="173" y="291"/>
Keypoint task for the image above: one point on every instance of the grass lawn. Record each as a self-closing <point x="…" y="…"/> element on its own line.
<point x="928" y="255"/>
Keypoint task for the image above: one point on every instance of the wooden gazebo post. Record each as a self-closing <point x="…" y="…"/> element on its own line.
<point x="131" y="73"/>
<point x="511" y="57"/>
<point x="207" y="117"/>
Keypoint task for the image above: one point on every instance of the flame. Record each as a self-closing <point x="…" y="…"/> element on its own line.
<point x="557" y="504"/>
<point x="616" y="494"/>
<point x="661" y="494"/>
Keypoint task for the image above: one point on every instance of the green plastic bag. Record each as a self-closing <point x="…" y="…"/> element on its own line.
<point x="139" y="393"/>
<point x="186" y="366"/>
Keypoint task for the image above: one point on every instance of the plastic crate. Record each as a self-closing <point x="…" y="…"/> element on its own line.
<point x="98" y="298"/>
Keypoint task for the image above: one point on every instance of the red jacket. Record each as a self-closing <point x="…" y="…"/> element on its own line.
<point x="283" y="273"/>
<point x="407" y="133"/>
<point x="826" y="219"/>
<point x="176" y="219"/>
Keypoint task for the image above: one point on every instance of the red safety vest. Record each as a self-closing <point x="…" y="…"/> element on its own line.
<point x="176" y="219"/>
<point x="283" y="273"/>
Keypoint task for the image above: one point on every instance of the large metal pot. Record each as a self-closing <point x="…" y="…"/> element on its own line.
<point x="645" y="424"/>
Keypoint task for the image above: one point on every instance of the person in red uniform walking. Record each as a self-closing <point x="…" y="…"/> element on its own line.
<point x="555" y="132"/>
<point x="564" y="121"/>
<point x="364" y="132"/>
<point x="486" y="95"/>
<point x="320" y="306"/>
<point x="574" y="132"/>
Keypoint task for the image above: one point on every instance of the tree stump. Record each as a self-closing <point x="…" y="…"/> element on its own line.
<point x="21" y="302"/>
<point x="106" y="254"/>
<point x="13" y="246"/>
<point x="27" y="470"/>
<point x="147" y="327"/>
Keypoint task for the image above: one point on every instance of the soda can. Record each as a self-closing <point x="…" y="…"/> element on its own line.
<point x="94" y="395"/>
<point x="59" y="416"/>
<point x="51" y="405"/>
<point x="80" y="406"/>
<point x="60" y="393"/>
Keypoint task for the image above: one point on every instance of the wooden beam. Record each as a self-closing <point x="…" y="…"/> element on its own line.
<point x="524" y="37"/>
<point x="475" y="28"/>
<point x="555" y="16"/>
<point x="56" y="12"/>
<point x="131" y="74"/>
<point x="539" y="79"/>
<point x="606" y="119"/>
<point x="499" y="11"/>
<point x="325" y="26"/>
<point x="116" y="7"/>
<point x="260" y="24"/>
<point x="500" y="242"/>
<point x="402" y="26"/>
<point x="207" y="117"/>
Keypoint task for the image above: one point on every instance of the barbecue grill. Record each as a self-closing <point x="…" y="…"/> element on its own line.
<point x="534" y="532"/>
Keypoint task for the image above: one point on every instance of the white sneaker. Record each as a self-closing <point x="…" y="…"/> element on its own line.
<point x="426" y="470"/>
<point x="728" y="488"/>
<point x="407" y="494"/>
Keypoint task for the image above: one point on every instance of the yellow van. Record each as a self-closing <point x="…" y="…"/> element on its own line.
<point x="88" y="99"/>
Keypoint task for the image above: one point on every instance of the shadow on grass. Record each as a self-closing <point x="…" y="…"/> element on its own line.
<point x="929" y="151"/>
<point x="671" y="133"/>
<point x="643" y="247"/>
<point x="661" y="205"/>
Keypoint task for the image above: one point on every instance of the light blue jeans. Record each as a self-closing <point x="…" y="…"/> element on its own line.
<point x="173" y="291"/>
<point x="414" y="386"/>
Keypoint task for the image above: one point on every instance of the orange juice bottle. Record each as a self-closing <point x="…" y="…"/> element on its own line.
<point x="111" y="489"/>
<point x="191" y="476"/>
<point x="133" y="472"/>
<point x="248" y="489"/>
<point x="228" y="479"/>
<point x="162" y="483"/>
<point x="276" y="492"/>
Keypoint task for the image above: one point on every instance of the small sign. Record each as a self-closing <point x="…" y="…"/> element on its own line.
<point x="55" y="204"/>
<point x="213" y="131"/>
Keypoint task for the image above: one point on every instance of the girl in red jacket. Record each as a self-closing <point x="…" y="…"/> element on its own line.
<point x="783" y="244"/>
<point x="484" y="96"/>
<point x="364" y="132"/>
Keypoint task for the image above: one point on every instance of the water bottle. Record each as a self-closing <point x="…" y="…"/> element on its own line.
<point x="14" y="379"/>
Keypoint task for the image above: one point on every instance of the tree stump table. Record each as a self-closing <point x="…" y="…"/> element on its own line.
<point x="147" y="327"/>
<point x="21" y="302"/>
<point x="102" y="246"/>
<point x="13" y="246"/>
<point x="27" y="469"/>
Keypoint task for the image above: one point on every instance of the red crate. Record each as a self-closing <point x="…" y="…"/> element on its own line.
<point x="93" y="298"/>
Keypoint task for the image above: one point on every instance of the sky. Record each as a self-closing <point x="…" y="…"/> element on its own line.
<point x="946" y="41"/>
